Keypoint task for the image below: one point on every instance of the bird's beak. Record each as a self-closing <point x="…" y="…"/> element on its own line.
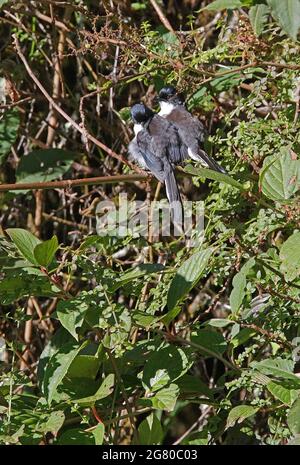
<point x="156" y="100"/>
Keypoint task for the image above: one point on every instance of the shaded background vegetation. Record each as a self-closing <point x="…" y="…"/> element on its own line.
<point x="122" y="340"/>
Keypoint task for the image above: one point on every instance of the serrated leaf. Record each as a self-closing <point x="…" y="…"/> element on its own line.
<point x="45" y="251"/>
<point x="187" y="276"/>
<point x="258" y="15"/>
<point x="290" y="257"/>
<point x="25" y="243"/>
<point x="287" y="14"/>
<point x="150" y="431"/>
<point x="239" y="414"/>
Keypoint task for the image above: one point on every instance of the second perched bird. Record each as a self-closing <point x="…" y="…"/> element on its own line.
<point x="155" y="147"/>
<point x="191" y="131"/>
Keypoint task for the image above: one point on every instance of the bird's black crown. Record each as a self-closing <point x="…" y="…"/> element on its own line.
<point x="167" y="92"/>
<point x="170" y="94"/>
<point x="140" y="113"/>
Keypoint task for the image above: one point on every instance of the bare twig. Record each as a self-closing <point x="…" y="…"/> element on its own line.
<point x="64" y="114"/>
<point x="161" y="16"/>
<point x="68" y="183"/>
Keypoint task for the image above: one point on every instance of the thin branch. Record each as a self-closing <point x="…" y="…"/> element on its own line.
<point x="64" y="114"/>
<point x="68" y="183"/>
<point x="161" y="16"/>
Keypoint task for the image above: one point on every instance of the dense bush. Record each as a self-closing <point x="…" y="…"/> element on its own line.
<point x="122" y="340"/>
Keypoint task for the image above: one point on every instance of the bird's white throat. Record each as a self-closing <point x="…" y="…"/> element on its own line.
<point x="166" y="108"/>
<point x="137" y="128"/>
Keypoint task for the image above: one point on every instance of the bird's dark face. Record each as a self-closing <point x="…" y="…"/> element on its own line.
<point x="141" y="114"/>
<point x="169" y="94"/>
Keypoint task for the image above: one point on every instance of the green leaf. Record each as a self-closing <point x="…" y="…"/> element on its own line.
<point x="9" y="126"/>
<point x="53" y="423"/>
<point x="45" y="251"/>
<point x="293" y="418"/>
<point x="137" y="6"/>
<point x="104" y="390"/>
<point x="2" y="2"/>
<point x="223" y="5"/>
<point x="165" y="366"/>
<point x="239" y="284"/>
<point x="284" y="394"/>
<point x="71" y="314"/>
<point x="258" y="15"/>
<point x="84" y="366"/>
<point x="137" y="272"/>
<point x="277" y="367"/>
<point x="76" y="437"/>
<point x="239" y="414"/>
<point x="150" y="431"/>
<point x="219" y="322"/>
<point x="187" y="276"/>
<point x="25" y="242"/>
<point x="287" y="14"/>
<point x="211" y="340"/>
<point x="241" y="337"/>
<point x="190" y="384"/>
<point x="166" y="398"/>
<point x="290" y="257"/>
<point x="214" y="175"/>
<point x="13" y="288"/>
<point x="98" y="434"/>
<point x="279" y="177"/>
<point x="58" y="366"/>
<point x="44" y="165"/>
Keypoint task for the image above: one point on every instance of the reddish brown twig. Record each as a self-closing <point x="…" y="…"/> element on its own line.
<point x="68" y="183"/>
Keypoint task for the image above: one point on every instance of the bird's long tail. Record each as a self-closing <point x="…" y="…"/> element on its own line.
<point x="174" y="198"/>
<point x="210" y="162"/>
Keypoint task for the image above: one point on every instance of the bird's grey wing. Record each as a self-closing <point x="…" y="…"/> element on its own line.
<point x="155" y="143"/>
<point x="177" y="150"/>
<point x="154" y="163"/>
<point x="193" y="134"/>
<point x="165" y="140"/>
<point x="136" y="154"/>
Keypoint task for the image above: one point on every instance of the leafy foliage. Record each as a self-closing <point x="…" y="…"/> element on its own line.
<point x="122" y="339"/>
